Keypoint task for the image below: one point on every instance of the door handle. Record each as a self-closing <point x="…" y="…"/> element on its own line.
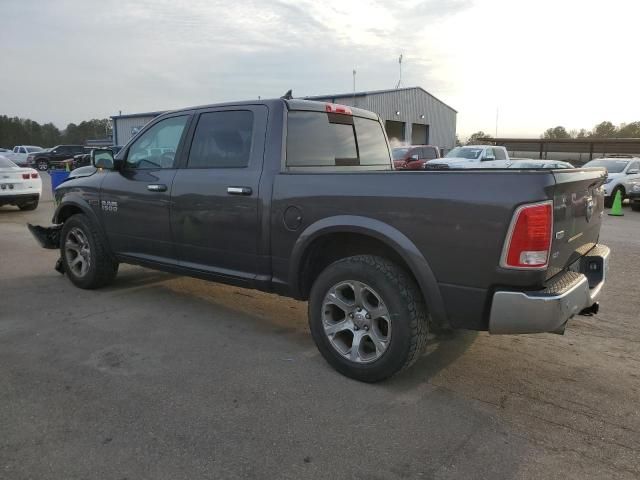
<point x="155" y="187"/>
<point x="239" y="190"/>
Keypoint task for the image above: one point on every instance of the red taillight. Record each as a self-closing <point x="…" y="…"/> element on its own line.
<point x="529" y="239"/>
<point x="25" y="176"/>
<point x="335" y="108"/>
<point x="34" y="175"/>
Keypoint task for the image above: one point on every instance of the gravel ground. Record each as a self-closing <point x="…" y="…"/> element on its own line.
<point x="166" y="377"/>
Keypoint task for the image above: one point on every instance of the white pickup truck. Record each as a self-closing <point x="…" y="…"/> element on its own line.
<point x="472" y="156"/>
<point x="20" y="153"/>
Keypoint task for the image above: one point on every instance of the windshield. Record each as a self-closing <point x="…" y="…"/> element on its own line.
<point x="612" y="166"/>
<point x="465" y="152"/>
<point x="399" y="153"/>
<point x="6" y="163"/>
<point x="33" y="149"/>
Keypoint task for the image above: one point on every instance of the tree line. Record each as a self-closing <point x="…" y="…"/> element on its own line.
<point x="601" y="130"/>
<point x="22" y="131"/>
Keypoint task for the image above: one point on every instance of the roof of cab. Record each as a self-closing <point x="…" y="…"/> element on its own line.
<point x="294" y="104"/>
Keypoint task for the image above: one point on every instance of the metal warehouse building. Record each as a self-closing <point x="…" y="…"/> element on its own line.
<point x="411" y="115"/>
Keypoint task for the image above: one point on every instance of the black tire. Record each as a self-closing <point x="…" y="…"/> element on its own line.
<point x="635" y="206"/>
<point x="608" y="201"/>
<point x="101" y="269"/>
<point x="42" y="164"/>
<point x="398" y="293"/>
<point x="25" y="207"/>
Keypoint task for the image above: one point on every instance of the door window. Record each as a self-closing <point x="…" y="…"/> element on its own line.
<point x="222" y="140"/>
<point x="22" y="150"/>
<point x="499" y="154"/>
<point x="634" y="166"/>
<point x="157" y="147"/>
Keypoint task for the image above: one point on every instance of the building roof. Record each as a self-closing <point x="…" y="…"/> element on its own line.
<point x="375" y="92"/>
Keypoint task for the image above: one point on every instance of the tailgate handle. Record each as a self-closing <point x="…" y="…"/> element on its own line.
<point x="156" y="187"/>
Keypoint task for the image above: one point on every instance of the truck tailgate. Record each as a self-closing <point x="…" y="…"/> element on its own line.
<point x="577" y="216"/>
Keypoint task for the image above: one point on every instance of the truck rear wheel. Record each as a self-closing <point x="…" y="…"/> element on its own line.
<point x="84" y="256"/>
<point x="367" y="317"/>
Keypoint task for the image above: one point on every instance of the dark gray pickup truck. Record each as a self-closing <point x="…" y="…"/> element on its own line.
<point x="300" y="198"/>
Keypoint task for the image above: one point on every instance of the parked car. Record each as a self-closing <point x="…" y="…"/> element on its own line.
<point x="45" y="159"/>
<point x="19" y="186"/>
<point x="620" y="169"/>
<point x="633" y="194"/>
<point x="472" y="156"/>
<point x="20" y="154"/>
<point x="259" y="194"/>
<point x="528" y="163"/>
<point x="414" y="157"/>
<point x="4" y="150"/>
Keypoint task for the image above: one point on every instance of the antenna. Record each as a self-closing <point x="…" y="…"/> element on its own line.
<point x="400" y="66"/>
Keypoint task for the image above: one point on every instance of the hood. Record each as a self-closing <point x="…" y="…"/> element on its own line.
<point x="82" y="172"/>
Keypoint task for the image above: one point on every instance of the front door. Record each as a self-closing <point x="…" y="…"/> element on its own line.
<point x="215" y="214"/>
<point x="135" y="201"/>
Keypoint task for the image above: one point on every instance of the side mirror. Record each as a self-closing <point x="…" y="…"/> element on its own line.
<point x="415" y="157"/>
<point x="633" y="171"/>
<point x="489" y="158"/>
<point x="102" y="158"/>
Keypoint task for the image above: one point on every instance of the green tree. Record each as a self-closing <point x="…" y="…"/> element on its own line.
<point x="604" y="130"/>
<point x="474" y="138"/>
<point x="556" y="133"/>
<point x="629" y="130"/>
<point x="582" y="133"/>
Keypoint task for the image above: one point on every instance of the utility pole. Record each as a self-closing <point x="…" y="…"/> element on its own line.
<point x="400" y="66"/>
<point x="354" y="87"/>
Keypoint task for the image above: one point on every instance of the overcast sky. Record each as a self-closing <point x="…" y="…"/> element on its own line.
<point x="541" y="63"/>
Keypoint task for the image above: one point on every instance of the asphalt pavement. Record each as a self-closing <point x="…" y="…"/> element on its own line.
<point x="166" y="377"/>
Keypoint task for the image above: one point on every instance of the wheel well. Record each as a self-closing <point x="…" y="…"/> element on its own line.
<point x="66" y="212"/>
<point x="329" y="248"/>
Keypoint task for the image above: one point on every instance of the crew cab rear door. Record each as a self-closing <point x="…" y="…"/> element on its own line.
<point x="215" y="215"/>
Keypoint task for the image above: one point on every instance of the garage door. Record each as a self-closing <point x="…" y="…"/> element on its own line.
<point x="395" y="130"/>
<point x="419" y="134"/>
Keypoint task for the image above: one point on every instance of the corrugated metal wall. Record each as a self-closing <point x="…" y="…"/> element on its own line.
<point x="411" y="103"/>
<point x="123" y="127"/>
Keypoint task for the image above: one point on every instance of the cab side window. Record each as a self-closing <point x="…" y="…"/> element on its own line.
<point x="157" y="147"/>
<point x="634" y="166"/>
<point x="499" y="154"/>
<point x="222" y="140"/>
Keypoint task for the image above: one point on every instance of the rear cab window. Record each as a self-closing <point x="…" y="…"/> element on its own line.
<point x="335" y="141"/>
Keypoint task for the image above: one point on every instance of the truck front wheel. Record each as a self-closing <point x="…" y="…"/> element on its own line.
<point x="367" y="317"/>
<point x="84" y="256"/>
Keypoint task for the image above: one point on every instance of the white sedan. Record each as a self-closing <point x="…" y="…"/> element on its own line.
<point x="21" y="187"/>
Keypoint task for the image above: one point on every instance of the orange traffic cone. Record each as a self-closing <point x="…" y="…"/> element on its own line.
<point x="616" y="210"/>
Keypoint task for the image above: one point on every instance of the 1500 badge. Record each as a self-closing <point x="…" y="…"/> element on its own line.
<point x="109" y="206"/>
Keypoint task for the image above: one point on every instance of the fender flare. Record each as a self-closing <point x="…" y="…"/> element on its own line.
<point x="70" y="200"/>
<point x="383" y="232"/>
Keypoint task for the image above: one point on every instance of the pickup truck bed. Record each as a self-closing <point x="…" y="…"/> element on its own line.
<point x="304" y="202"/>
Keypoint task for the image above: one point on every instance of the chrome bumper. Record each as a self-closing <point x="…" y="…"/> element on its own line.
<point x="549" y="310"/>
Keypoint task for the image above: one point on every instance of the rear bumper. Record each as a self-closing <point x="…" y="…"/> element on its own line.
<point x="16" y="198"/>
<point x="548" y="310"/>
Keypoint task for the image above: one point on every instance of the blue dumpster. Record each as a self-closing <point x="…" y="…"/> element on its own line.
<point x="57" y="177"/>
